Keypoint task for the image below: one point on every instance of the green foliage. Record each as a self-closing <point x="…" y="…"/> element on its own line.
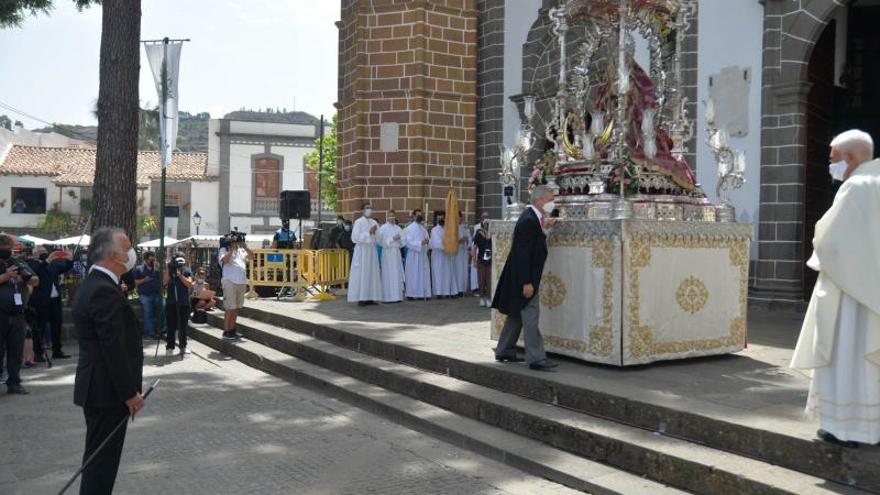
<point x="13" y="12"/>
<point x="5" y="122"/>
<point x="57" y="222"/>
<point x="328" y="179"/>
<point x="147" y="225"/>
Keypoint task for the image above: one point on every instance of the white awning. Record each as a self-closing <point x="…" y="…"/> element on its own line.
<point x="169" y="241"/>
<point x="38" y="241"/>
<point x="72" y="241"/>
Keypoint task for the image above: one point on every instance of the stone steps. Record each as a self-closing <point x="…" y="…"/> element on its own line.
<point x="686" y="465"/>
<point x="523" y="453"/>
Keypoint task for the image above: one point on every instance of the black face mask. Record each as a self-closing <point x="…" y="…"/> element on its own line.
<point x="420" y="219"/>
<point x="484" y="225"/>
<point x="442" y="222"/>
<point x="44" y="256"/>
<point x="5" y="254"/>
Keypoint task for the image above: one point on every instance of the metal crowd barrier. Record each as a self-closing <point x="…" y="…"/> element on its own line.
<point x="298" y="272"/>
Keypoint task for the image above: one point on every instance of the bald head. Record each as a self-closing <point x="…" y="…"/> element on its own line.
<point x="854" y="147"/>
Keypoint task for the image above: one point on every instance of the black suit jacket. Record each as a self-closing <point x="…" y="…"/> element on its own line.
<point x="111" y="356"/>
<point x="524" y="265"/>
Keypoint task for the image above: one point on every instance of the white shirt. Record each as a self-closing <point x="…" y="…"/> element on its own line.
<point x="235" y="270"/>
<point x="539" y="213"/>
<point x="107" y="271"/>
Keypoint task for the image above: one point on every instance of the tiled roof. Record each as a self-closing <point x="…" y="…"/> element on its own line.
<point x="76" y="167"/>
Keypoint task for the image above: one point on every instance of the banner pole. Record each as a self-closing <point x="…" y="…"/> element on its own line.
<point x="164" y="163"/>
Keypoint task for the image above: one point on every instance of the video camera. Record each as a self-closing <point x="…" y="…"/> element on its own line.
<point x="175" y="263"/>
<point x="233" y="237"/>
<point x="24" y="269"/>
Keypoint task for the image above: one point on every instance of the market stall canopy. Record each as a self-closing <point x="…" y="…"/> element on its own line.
<point x="169" y="241"/>
<point x="82" y="240"/>
<point x="36" y="241"/>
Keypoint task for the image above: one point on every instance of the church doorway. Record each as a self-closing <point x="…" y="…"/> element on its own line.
<point x="839" y="99"/>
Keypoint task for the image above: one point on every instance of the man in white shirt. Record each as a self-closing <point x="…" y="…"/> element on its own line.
<point x="418" y="270"/>
<point x="463" y="257"/>
<point x="234" y="259"/>
<point x="391" y="239"/>
<point x="364" y="279"/>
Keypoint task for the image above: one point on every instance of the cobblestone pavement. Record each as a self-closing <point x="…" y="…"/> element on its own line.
<point x="232" y="429"/>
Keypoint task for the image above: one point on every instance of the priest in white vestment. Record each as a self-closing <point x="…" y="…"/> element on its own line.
<point x="364" y="279"/>
<point x="840" y="337"/>
<point x="417" y="268"/>
<point x="391" y="240"/>
<point x="443" y="281"/>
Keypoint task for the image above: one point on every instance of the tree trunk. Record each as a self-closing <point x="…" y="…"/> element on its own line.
<point x="115" y="192"/>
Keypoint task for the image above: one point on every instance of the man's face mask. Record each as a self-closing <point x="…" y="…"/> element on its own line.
<point x="5" y="254"/>
<point x="392" y="220"/>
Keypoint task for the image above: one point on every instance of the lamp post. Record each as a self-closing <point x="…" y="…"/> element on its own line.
<point x="197" y="220"/>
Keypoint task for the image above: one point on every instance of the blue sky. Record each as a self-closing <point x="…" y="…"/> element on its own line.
<point x="243" y="53"/>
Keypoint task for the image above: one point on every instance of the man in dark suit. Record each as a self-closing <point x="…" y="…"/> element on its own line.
<point x="517" y="293"/>
<point x="111" y="359"/>
<point x="46" y="300"/>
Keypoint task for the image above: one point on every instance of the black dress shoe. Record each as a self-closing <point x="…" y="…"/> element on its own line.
<point x="16" y="390"/>
<point x="543" y="365"/>
<point x="60" y="355"/>
<point x="830" y="438"/>
<point x="506" y="359"/>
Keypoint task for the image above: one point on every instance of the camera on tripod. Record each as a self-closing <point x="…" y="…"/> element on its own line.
<point x="233" y="237"/>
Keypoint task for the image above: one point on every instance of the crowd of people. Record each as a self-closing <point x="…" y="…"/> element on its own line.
<point x="390" y="263"/>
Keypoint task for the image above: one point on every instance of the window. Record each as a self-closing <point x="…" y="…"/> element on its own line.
<point x="28" y="200"/>
<point x="267" y="178"/>
<point x="172" y="205"/>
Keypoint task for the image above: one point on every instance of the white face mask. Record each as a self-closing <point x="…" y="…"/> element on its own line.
<point x="549" y="206"/>
<point x="837" y="170"/>
<point x="368" y="212"/>
<point x="391" y="220"/>
<point x="132" y="259"/>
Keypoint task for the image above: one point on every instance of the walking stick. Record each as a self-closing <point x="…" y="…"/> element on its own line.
<point x="95" y="453"/>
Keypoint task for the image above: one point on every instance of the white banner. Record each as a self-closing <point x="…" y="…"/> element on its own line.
<point x="165" y="64"/>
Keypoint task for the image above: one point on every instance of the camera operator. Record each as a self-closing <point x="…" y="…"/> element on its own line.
<point x="178" y="282"/>
<point x="46" y="300"/>
<point x="16" y="280"/>
<point x="234" y="255"/>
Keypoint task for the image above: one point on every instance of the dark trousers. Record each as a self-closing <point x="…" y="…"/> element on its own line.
<point x="12" y="330"/>
<point x="526" y="322"/>
<point x="177" y="319"/>
<point x="484" y="278"/>
<point x="100" y="475"/>
<point x="49" y="314"/>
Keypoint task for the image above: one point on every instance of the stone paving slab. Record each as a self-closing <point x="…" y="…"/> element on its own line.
<point x="754" y="387"/>
<point x="227" y="428"/>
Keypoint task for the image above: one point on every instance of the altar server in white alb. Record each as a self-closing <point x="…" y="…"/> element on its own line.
<point x="462" y="259"/>
<point x="391" y="240"/>
<point x="364" y="280"/>
<point x="418" y="270"/>
<point x="840" y="337"/>
<point x="443" y="280"/>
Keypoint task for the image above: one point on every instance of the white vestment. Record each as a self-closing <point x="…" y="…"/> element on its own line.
<point x="443" y="280"/>
<point x="391" y="240"/>
<point x="840" y="337"/>
<point x="462" y="258"/>
<point x="418" y="271"/>
<point x="473" y="269"/>
<point x="364" y="280"/>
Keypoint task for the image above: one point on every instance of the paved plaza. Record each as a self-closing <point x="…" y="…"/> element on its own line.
<point x="216" y="426"/>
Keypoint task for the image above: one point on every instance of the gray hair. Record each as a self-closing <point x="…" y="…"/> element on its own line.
<point x="855" y="142"/>
<point x="539" y="192"/>
<point x="103" y="244"/>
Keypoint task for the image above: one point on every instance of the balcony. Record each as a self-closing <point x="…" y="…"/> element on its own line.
<point x="267" y="206"/>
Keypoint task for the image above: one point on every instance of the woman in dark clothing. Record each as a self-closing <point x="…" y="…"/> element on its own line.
<point x="481" y="255"/>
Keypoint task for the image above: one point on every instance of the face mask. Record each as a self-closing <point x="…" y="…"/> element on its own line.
<point x="442" y="222"/>
<point x="484" y="225"/>
<point x="549" y="206"/>
<point x="339" y="223"/>
<point x="43" y="256"/>
<point x="392" y="220"/>
<point x="347" y="228"/>
<point x="420" y="219"/>
<point x="132" y="259"/>
<point x="368" y="212"/>
<point x="5" y="254"/>
<point x="837" y="170"/>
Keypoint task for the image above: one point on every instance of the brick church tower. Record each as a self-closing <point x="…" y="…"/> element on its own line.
<point x="407" y="104"/>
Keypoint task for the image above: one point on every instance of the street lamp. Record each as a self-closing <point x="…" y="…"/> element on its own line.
<point x="197" y="220"/>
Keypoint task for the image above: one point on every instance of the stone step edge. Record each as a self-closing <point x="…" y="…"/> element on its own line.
<point x="477" y="437"/>
<point x="701" y="469"/>
<point x="815" y="458"/>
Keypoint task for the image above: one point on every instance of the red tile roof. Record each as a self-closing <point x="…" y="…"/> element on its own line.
<point x="76" y="167"/>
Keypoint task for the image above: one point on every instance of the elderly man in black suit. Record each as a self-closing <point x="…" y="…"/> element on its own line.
<point x="111" y="358"/>
<point x="517" y="293"/>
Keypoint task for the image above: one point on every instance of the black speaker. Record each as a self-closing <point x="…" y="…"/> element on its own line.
<point x="296" y="205"/>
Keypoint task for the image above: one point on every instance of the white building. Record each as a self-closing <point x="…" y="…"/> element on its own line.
<point x="256" y="155"/>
